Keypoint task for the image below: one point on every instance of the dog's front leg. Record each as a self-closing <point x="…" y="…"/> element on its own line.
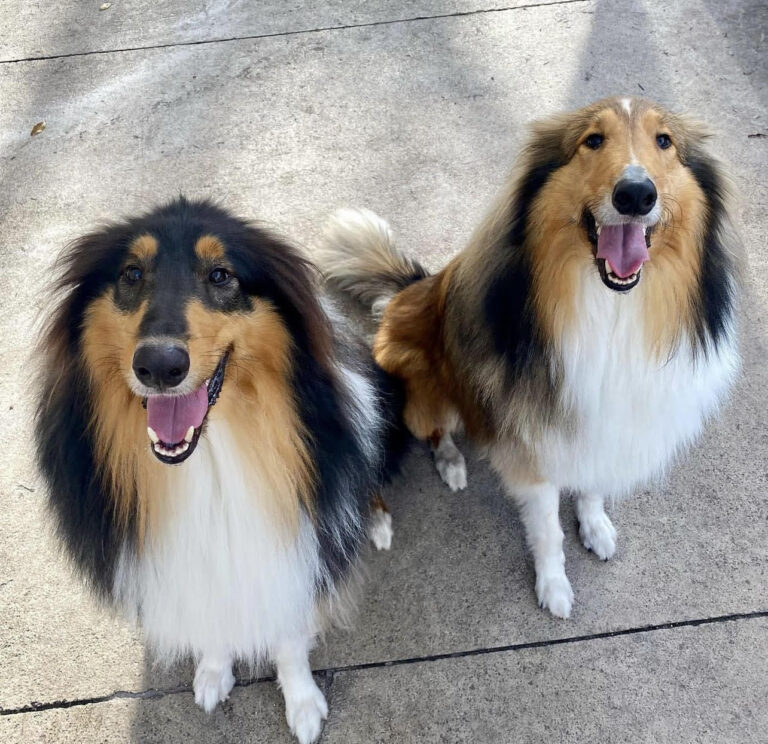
<point x="213" y="680"/>
<point x="538" y="505"/>
<point x="595" y="528"/>
<point x="448" y="460"/>
<point x="305" y="706"/>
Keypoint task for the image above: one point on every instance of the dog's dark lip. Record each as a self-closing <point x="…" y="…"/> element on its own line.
<point x="214" y="385"/>
<point x="177" y="459"/>
<point x="590" y="227"/>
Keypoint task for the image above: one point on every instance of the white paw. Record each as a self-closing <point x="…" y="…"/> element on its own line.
<point x="381" y="531"/>
<point x="598" y="535"/>
<point x="305" y="715"/>
<point x="452" y="469"/>
<point x="212" y="686"/>
<point x="555" y="594"/>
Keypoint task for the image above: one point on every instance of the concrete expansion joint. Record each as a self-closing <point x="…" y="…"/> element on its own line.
<point x="328" y="675"/>
<point x="297" y="32"/>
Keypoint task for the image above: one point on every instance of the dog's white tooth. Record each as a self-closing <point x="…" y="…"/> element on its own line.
<point x="153" y="437"/>
<point x="158" y="448"/>
<point x="599" y="228"/>
<point x="190" y="434"/>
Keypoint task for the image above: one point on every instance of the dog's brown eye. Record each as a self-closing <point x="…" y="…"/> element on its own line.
<point x="132" y="274"/>
<point x="594" y="141"/>
<point x="663" y="141"/>
<point x="219" y="276"/>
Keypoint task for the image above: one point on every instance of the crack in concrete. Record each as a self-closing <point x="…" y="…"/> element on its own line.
<point x="329" y="673"/>
<point x="297" y="32"/>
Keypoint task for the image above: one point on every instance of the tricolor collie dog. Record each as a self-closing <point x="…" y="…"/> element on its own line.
<point x="585" y="334"/>
<point x="212" y="445"/>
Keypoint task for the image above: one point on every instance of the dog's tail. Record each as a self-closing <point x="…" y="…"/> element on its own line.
<point x="357" y="254"/>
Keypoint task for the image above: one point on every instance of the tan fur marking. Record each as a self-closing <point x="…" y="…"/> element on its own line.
<point x="257" y="398"/>
<point x="209" y="249"/>
<point x="410" y="345"/>
<point x="378" y="503"/>
<point x="119" y="422"/>
<point x="144" y="248"/>
<point x="435" y="437"/>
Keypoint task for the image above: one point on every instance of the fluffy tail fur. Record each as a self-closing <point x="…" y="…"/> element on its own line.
<point x="357" y="254"/>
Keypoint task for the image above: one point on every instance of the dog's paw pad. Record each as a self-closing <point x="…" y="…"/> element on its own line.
<point x="305" y="716"/>
<point x="381" y="531"/>
<point x="555" y="594"/>
<point x="212" y="686"/>
<point x="598" y="535"/>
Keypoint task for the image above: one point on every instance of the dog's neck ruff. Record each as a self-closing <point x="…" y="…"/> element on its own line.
<point x="182" y="585"/>
<point x="630" y="412"/>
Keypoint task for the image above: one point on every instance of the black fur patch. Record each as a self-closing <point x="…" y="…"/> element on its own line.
<point x="508" y="303"/>
<point x="714" y="304"/>
<point x="396" y="282"/>
<point x="85" y="518"/>
<point x="346" y="479"/>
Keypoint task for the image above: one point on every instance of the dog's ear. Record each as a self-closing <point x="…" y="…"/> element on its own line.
<point x="85" y="268"/>
<point x="556" y="138"/>
<point x="85" y="512"/>
<point x="547" y="150"/>
<point x="270" y="267"/>
<point x="553" y="139"/>
<point x="689" y="135"/>
<point x="721" y="249"/>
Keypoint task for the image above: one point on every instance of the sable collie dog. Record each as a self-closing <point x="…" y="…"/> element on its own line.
<point x="211" y="445"/>
<point x="584" y="335"/>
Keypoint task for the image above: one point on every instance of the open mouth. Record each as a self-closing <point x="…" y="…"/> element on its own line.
<point x="175" y="422"/>
<point x="620" y="251"/>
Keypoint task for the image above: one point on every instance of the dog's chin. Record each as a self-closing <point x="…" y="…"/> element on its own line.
<point x="174" y="453"/>
<point x="609" y="278"/>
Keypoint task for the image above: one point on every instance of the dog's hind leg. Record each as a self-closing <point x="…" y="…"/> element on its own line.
<point x="213" y="680"/>
<point x="449" y="461"/>
<point x="538" y="505"/>
<point x="380" y="530"/>
<point x="595" y="528"/>
<point x="305" y="705"/>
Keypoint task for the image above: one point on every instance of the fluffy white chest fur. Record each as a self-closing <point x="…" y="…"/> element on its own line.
<point x="220" y="576"/>
<point x="633" y="413"/>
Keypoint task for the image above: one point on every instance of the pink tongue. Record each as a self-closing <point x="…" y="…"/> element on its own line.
<point x="623" y="246"/>
<point x="172" y="415"/>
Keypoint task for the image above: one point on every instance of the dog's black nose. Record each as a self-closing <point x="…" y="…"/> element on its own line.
<point x="634" y="197"/>
<point x="160" y="366"/>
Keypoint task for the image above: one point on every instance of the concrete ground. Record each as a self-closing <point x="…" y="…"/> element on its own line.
<point x="285" y="111"/>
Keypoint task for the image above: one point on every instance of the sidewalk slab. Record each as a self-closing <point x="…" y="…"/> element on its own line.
<point x="649" y="688"/>
<point x="682" y="686"/>
<point x="252" y="714"/>
<point x="420" y="122"/>
<point x="76" y="27"/>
